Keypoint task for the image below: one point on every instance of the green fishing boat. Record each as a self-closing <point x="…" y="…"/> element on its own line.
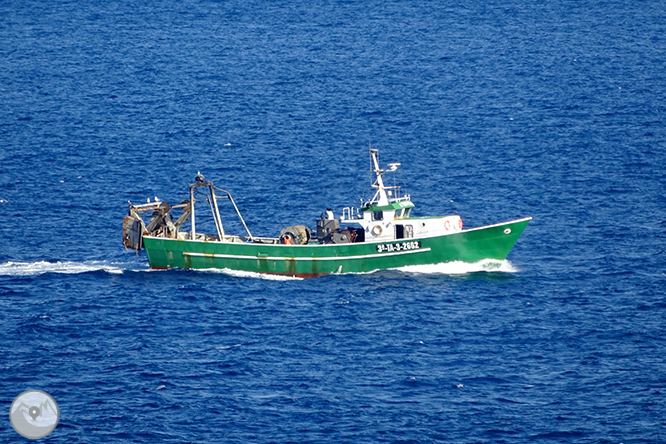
<point x="381" y="234"/>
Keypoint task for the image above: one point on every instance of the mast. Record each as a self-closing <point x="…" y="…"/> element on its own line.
<point x="193" y="234"/>
<point x="380" y="195"/>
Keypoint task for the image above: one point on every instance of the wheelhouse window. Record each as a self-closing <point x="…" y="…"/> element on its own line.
<point x="377" y="215"/>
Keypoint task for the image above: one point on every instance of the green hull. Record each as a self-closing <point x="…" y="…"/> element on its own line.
<point x="473" y="245"/>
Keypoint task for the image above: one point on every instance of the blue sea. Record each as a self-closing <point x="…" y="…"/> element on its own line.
<point x="495" y="110"/>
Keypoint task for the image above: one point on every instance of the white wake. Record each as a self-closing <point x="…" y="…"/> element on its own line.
<point x="456" y="268"/>
<point x="249" y="274"/>
<point x="67" y="267"/>
<point x="42" y="267"/>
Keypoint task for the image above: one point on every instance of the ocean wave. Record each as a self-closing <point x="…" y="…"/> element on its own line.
<point x="249" y="274"/>
<point x="457" y="267"/>
<point x="42" y="267"/>
<point x="449" y="268"/>
<point x="68" y="267"/>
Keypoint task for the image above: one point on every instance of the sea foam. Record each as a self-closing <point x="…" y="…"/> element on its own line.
<point x="457" y="267"/>
<point x="41" y="267"/>
<point x="249" y="274"/>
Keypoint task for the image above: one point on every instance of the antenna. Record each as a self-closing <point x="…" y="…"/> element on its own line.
<point x="372" y="168"/>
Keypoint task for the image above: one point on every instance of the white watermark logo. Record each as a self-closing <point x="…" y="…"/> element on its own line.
<point x="34" y="414"/>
